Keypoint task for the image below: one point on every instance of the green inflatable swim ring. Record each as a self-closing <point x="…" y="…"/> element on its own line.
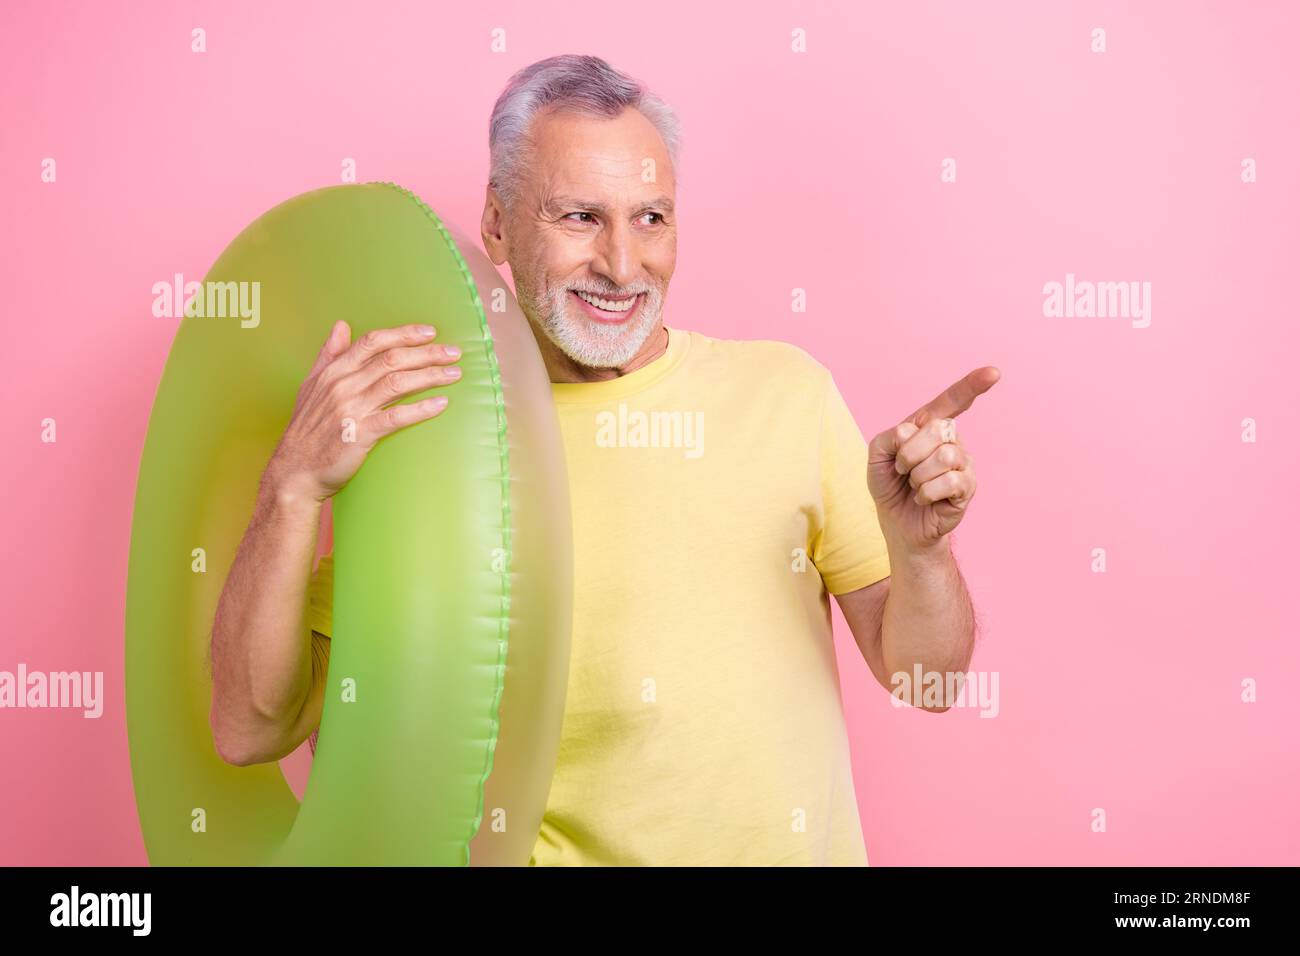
<point x="453" y="559"/>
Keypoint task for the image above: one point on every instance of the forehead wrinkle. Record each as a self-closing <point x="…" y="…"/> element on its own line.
<point x="557" y="192"/>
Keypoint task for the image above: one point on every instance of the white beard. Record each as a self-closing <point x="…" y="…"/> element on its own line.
<point x="596" y="344"/>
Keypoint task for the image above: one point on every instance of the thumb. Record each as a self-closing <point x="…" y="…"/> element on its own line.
<point x="884" y="447"/>
<point x="336" y="343"/>
<point x="882" y="462"/>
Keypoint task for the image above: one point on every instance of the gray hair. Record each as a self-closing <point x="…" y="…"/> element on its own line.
<point x="570" y="83"/>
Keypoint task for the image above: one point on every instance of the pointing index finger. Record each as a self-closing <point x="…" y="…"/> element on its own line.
<point x="958" y="396"/>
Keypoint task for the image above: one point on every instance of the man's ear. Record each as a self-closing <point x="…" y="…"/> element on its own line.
<point x="493" y="227"/>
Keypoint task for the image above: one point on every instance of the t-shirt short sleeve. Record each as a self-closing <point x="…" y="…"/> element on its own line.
<point x="849" y="550"/>
<point x="320" y="597"/>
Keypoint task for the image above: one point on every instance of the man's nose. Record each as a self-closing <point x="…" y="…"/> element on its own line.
<point x="618" y="256"/>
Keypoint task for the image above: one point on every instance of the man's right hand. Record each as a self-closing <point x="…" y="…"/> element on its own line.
<point x="346" y="404"/>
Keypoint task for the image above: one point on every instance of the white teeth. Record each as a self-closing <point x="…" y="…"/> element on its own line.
<point x="606" y="304"/>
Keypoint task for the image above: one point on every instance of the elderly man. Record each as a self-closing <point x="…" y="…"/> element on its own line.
<point x="703" y="722"/>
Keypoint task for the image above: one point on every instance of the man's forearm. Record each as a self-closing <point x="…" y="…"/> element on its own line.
<point x="261" y="649"/>
<point x="928" y="618"/>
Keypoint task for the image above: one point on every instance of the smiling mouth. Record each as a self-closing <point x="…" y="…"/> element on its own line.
<point x="606" y="309"/>
<point x="607" y="303"/>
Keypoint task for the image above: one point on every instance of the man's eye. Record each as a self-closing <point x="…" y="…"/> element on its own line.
<point x="659" y="215"/>
<point x="578" y="214"/>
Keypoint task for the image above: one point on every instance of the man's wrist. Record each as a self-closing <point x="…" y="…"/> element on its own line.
<point x="283" y="498"/>
<point x="909" y="555"/>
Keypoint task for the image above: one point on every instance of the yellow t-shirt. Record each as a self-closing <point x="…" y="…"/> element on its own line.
<point x="719" y="496"/>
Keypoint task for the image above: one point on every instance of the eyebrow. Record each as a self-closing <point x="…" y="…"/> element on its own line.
<point x="573" y="203"/>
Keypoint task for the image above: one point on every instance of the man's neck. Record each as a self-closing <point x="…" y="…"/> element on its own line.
<point x="561" y="368"/>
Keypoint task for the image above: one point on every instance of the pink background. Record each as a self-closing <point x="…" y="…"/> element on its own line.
<point x="1119" y="690"/>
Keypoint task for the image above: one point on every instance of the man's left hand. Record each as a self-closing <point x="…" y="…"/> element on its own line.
<point x="920" y="474"/>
